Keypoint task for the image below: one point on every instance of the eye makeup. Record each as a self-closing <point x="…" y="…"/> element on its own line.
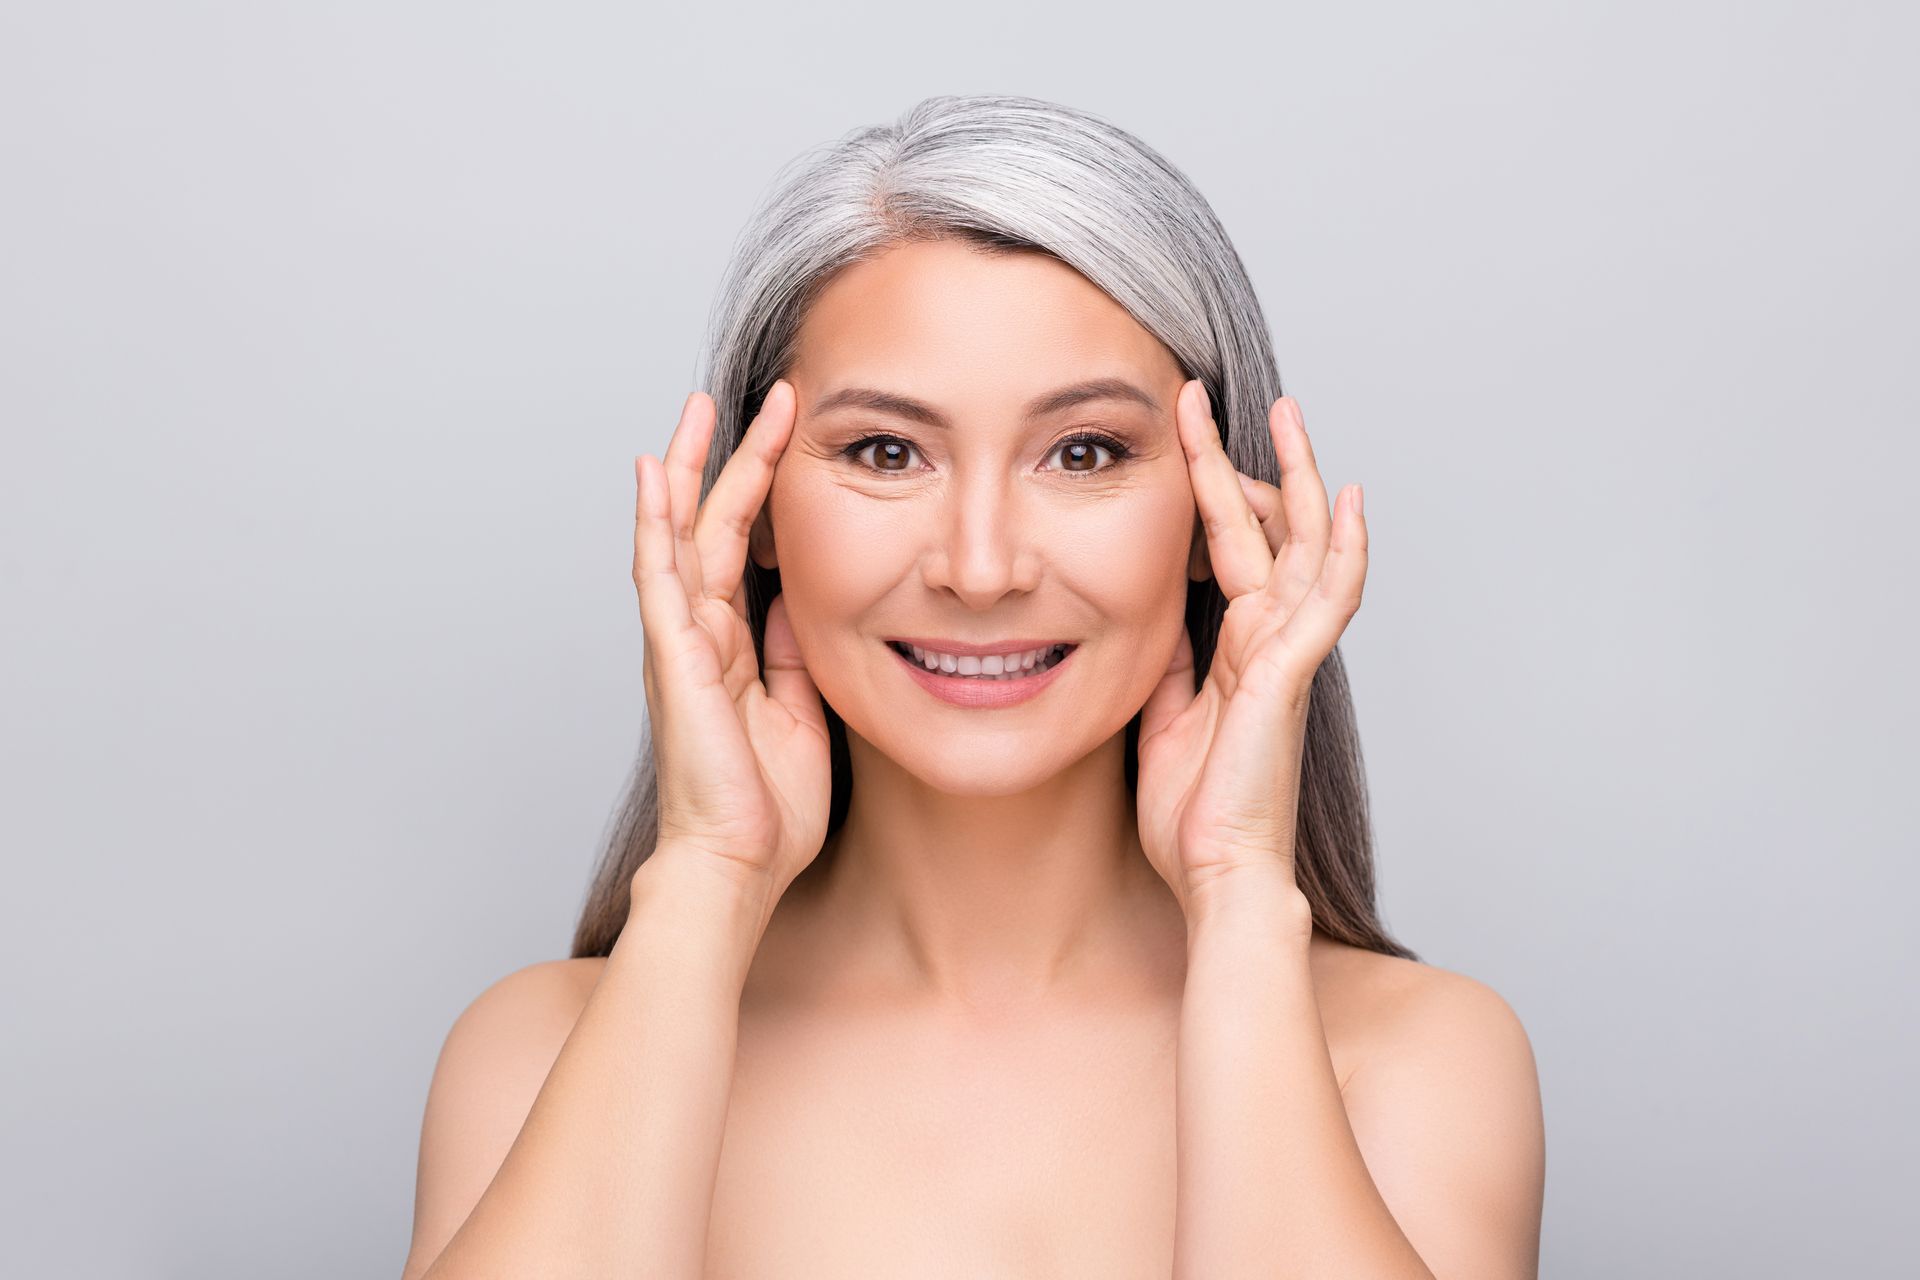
<point x="1119" y="450"/>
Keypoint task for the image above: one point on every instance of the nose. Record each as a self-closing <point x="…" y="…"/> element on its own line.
<point x="982" y="544"/>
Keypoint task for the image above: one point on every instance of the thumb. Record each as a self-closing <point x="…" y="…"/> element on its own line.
<point x="787" y="680"/>
<point x="1174" y="693"/>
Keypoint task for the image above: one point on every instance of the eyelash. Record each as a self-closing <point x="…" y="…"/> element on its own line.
<point x="1117" y="448"/>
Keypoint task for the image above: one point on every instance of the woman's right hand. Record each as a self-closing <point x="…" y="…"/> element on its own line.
<point x="743" y="767"/>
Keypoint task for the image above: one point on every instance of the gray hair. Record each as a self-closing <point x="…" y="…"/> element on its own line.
<point x="1008" y="172"/>
<point x="1020" y="174"/>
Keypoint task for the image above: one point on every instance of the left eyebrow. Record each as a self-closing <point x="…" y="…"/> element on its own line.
<point x="1096" y="389"/>
<point x="1041" y="406"/>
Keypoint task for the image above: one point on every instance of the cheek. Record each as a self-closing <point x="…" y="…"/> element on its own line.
<point x="1133" y="573"/>
<point x="839" y="551"/>
<point x="1129" y="556"/>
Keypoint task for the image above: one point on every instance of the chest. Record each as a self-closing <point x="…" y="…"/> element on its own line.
<point x="911" y="1147"/>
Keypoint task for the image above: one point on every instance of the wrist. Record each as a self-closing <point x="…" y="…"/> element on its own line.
<point x="705" y="873"/>
<point x="724" y="905"/>
<point x="1263" y="901"/>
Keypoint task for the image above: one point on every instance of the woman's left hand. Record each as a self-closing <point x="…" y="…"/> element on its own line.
<point x="1219" y="777"/>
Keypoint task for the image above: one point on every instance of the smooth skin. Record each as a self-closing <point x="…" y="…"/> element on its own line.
<point x="1020" y="1022"/>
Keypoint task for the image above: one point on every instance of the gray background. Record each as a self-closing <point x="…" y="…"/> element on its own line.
<point x="330" y="333"/>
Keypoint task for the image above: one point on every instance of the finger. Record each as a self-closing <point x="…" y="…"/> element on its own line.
<point x="1281" y="670"/>
<point x="686" y="462"/>
<point x="687" y="699"/>
<point x="1303" y="499"/>
<point x="1236" y="544"/>
<point x="1174" y="693"/>
<point x="726" y="518"/>
<point x="666" y="616"/>
<point x="1264" y="498"/>
<point x="1322" y="615"/>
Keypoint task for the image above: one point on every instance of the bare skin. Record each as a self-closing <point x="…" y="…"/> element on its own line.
<point x="1034" y="1142"/>
<point x="957" y="1032"/>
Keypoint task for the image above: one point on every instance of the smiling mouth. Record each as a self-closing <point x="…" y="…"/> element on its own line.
<point x="957" y="668"/>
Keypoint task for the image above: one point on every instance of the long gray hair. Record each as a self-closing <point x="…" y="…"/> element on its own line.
<point x="1020" y="174"/>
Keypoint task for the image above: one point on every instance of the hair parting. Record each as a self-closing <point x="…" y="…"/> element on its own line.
<point x="1011" y="174"/>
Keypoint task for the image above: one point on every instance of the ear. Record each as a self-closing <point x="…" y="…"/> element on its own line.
<point x="1199" y="563"/>
<point x="760" y="543"/>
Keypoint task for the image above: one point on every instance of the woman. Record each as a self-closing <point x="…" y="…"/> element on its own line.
<point x="996" y="896"/>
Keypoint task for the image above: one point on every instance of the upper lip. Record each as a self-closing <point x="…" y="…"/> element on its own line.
<point x="960" y="649"/>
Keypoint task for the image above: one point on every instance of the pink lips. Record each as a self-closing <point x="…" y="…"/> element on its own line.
<point x="962" y="691"/>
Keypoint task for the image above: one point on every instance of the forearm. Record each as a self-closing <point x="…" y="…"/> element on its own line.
<point x="1271" y="1181"/>
<point x="613" y="1170"/>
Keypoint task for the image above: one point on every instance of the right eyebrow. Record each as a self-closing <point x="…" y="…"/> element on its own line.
<point x="883" y="402"/>
<point x="1052" y="402"/>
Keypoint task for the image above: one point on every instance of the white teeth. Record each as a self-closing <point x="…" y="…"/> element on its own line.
<point x="998" y="666"/>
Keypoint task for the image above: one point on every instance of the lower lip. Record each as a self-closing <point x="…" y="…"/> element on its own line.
<point x="964" y="692"/>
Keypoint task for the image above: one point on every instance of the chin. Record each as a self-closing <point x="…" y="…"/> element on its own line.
<point x="982" y="774"/>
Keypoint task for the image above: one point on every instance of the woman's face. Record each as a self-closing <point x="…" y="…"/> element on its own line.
<point x="993" y="527"/>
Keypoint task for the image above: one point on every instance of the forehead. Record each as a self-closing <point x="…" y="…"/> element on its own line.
<point x="958" y="323"/>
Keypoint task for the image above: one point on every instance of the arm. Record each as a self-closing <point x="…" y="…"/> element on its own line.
<point x="612" y="1172"/>
<point x="1276" y="1178"/>
<point x="1272" y="1176"/>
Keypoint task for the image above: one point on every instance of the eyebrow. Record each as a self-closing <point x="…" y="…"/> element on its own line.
<point x="1052" y="402"/>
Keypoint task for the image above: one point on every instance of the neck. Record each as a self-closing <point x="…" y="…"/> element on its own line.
<point x="996" y="901"/>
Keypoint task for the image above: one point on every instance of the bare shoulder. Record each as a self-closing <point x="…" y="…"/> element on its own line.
<point x="1443" y="1096"/>
<point x="530" y="1008"/>
<point x="491" y="1067"/>
<point x="1380" y="1001"/>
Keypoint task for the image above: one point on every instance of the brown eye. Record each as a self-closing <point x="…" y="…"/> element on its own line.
<point x="1079" y="454"/>
<point x="890" y="453"/>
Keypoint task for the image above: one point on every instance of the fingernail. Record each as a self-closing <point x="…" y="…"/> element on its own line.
<point x="1359" y="499"/>
<point x="1205" y="401"/>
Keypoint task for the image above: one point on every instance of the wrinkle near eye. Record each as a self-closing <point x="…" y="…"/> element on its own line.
<point x="1112" y="451"/>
